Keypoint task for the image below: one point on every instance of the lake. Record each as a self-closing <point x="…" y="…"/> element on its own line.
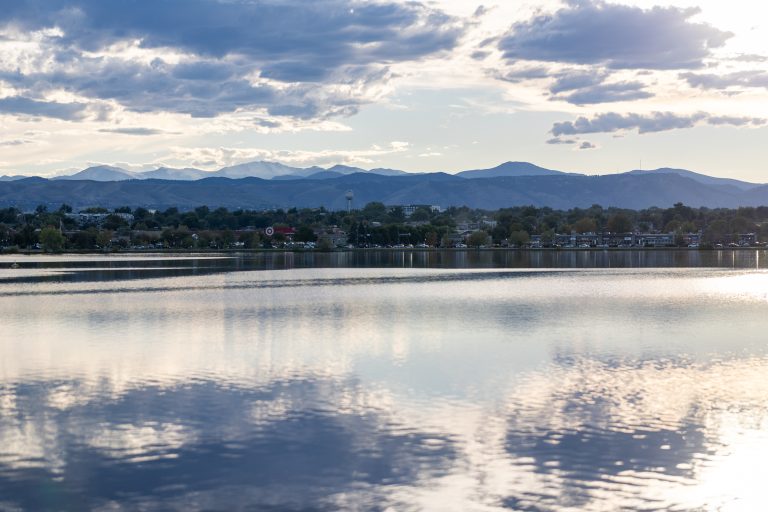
<point x="385" y="380"/>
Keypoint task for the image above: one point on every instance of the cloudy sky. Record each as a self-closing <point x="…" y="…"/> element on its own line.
<point x="580" y="85"/>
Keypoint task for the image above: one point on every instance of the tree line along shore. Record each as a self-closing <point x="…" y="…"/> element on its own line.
<point x="375" y="225"/>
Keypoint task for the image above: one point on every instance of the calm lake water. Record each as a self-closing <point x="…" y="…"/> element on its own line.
<point x="533" y="381"/>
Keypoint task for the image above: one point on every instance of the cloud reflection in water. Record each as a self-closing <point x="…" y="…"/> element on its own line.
<point x="607" y="434"/>
<point x="365" y="388"/>
<point x="201" y="445"/>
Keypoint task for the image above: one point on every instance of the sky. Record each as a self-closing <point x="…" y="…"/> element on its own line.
<point x="443" y="85"/>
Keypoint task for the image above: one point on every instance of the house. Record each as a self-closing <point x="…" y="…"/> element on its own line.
<point x="97" y="219"/>
<point x="617" y="239"/>
<point x="410" y="209"/>
<point x="654" y="239"/>
<point x="335" y="236"/>
<point x="577" y="240"/>
<point x="692" y="239"/>
<point x="285" y="231"/>
<point x="747" y="239"/>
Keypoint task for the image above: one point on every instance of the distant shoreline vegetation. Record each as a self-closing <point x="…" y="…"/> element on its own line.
<point x="377" y="226"/>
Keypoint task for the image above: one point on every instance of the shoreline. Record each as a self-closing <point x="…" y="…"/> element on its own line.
<point x="203" y="252"/>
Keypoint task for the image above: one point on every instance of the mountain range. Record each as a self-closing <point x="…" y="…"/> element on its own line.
<point x="259" y="185"/>
<point x="263" y="170"/>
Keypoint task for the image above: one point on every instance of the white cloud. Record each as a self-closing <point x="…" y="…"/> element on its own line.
<point x="214" y="158"/>
<point x="613" y="35"/>
<point x="293" y="59"/>
<point x="647" y="123"/>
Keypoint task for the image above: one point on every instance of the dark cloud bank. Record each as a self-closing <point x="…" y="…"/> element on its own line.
<point x="646" y="123"/>
<point x="614" y="36"/>
<point x="606" y="38"/>
<point x="327" y="53"/>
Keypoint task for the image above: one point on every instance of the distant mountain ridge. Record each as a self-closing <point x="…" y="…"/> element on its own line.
<point x="257" y="169"/>
<point x="510" y="169"/>
<point x="261" y="169"/>
<point x="101" y="173"/>
<point x="701" y="178"/>
<point x="168" y="173"/>
<point x="275" y="185"/>
<point x="328" y="189"/>
<point x="281" y="172"/>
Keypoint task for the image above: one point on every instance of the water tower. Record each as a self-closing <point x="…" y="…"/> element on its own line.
<point x="350" y="196"/>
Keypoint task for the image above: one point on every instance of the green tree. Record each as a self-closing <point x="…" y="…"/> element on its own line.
<point x="716" y="231"/>
<point x="619" y="223"/>
<point x="141" y="214"/>
<point x="26" y="236"/>
<point x="251" y="239"/>
<point x="421" y="214"/>
<point x="499" y="233"/>
<point x="202" y="211"/>
<point x="396" y="214"/>
<point x="375" y="211"/>
<point x="324" y="244"/>
<point x="114" y="222"/>
<point x="585" y="225"/>
<point x="227" y="238"/>
<point x="741" y="224"/>
<point x="547" y="238"/>
<point x="103" y="239"/>
<point x="477" y="238"/>
<point x="673" y="226"/>
<point x="85" y="239"/>
<point x="305" y="234"/>
<point x="206" y="238"/>
<point x="191" y="220"/>
<point x="51" y="239"/>
<point x="95" y="209"/>
<point x="519" y="238"/>
<point x="688" y="227"/>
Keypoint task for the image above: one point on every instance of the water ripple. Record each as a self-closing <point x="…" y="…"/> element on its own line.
<point x="376" y="389"/>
